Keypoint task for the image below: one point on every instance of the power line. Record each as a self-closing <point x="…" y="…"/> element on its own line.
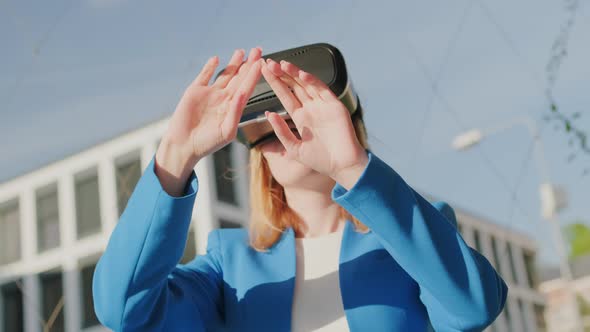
<point x="519" y="178"/>
<point x="558" y="53"/>
<point x="450" y="47"/>
<point x="523" y="63"/>
<point x="458" y="120"/>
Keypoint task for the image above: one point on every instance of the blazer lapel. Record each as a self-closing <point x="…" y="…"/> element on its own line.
<point x="281" y="260"/>
<point x="281" y="284"/>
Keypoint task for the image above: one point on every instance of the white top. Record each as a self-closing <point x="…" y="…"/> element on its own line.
<point x="317" y="302"/>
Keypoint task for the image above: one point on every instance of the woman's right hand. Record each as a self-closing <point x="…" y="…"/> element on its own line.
<point x="206" y="118"/>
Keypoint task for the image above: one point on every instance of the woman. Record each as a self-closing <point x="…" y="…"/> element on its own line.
<point x="337" y="239"/>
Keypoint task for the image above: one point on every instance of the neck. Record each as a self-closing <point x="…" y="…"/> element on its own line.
<point x="319" y="214"/>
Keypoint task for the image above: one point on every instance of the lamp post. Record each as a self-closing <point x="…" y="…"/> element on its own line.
<point x="553" y="198"/>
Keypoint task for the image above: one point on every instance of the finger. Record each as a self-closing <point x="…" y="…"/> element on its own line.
<point x="252" y="77"/>
<point x="316" y="84"/>
<point x="293" y="71"/>
<point x="230" y="123"/>
<point x="207" y="72"/>
<point x="236" y="81"/>
<point x="298" y="90"/>
<point x="240" y="99"/>
<point x="231" y="69"/>
<point x="282" y="91"/>
<point x="283" y="132"/>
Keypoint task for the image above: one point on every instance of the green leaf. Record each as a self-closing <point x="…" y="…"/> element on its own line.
<point x="578" y="235"/>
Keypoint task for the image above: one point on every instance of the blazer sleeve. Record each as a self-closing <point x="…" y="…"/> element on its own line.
<point x="137" y="283"/>
<point x="458" y="286"/>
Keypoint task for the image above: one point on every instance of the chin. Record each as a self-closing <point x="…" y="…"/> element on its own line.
<point x="290" y="172"/>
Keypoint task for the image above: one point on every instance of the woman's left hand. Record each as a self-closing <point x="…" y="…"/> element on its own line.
<point x="328" y="141"/>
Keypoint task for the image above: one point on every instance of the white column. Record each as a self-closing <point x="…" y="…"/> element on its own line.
<point x="468" y="236"/>
<point x="28" y="224"/>
<point x="486" y="246"/>
<point x="108" y="194"/>
<point x="72" y="305"/>
<point x="500" y="324"/>
<point x="529" y="317"/>
<point x="32" y="304"/>
<point x="488" y="251"/>
<point x="515" y="316"/>
<point x="70" y="284"/>
<point x="520" y="266"/>
<point x="505" y="262"/>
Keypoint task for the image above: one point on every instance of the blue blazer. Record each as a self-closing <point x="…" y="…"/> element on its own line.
<point x="412" y="269"/>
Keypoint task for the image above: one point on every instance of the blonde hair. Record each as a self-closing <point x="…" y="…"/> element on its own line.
<point x="270" y="214"/>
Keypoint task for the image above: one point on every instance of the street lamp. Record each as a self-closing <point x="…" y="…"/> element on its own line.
<point x="553" y="198"/>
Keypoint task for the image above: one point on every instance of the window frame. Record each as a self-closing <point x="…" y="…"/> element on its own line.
<point x="85" y="176"/>
<point x="11" y="205"/>
<point x="42" y="193"/>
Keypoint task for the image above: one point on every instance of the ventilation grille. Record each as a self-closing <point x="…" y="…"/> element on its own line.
<point x="302" y="51"/>
<point x="262" y="97"/>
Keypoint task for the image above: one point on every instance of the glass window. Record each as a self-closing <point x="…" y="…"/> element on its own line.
<point x="512" y="265"/>
<point x="529" y="264"/>
<point x="522" y="315"/>
<point x="477" y="240"/>
<point x="9" y="232"/>
<point x="496" y="255"/>
<point x="87" y="204"/>
<point x="88" y="314"/>
<point x="47" y="218"/>
<point x="52" y="301"/>
<point x="12" y="307"/>
<point x="223" y="175"/>
<point x="190" y="250"/>
<point x="540" y="318"/>
<point x="507" y="315"/>
<point x="224" y="223"/>
<point x="127" y="174"/>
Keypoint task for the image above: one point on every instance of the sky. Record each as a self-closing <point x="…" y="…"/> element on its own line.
<point x="77" y="73"/>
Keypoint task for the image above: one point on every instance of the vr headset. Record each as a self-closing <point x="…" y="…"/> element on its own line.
<point x="322" y="60"/>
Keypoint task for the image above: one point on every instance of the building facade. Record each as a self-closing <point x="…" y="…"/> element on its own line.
<point x="514" y="257"/>
<point x="55" y="222"/>
<point x="561" y="307"/>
